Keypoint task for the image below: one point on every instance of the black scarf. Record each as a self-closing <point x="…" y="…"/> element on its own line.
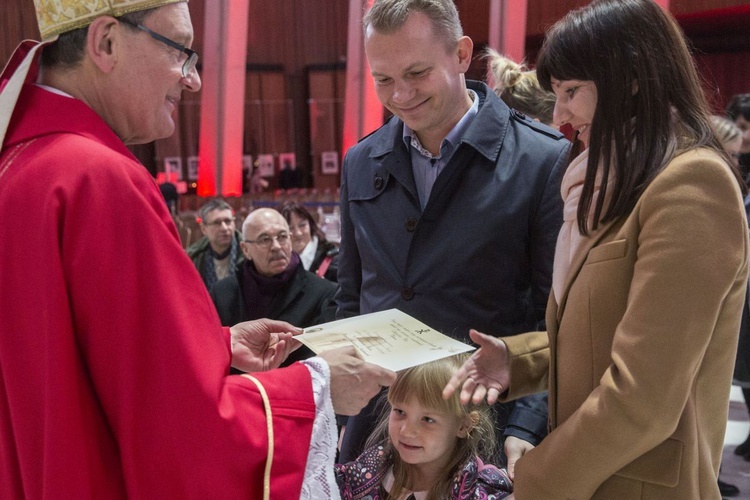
<point x="258" y="291"/>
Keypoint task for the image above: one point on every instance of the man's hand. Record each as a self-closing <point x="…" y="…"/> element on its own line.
<point x="485" y="373"/>
<point x="353" y="381"/>
<point x="262" y="344"/>
<point x="515" y="448"/>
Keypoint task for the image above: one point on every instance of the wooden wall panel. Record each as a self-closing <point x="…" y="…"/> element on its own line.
<point x="17" y="22"/>
<point x="267" y="114"/>
<point x="678" y="7"/>
<point x="197" y="14"/>
<point x="725" y="74"/>
<point x="542" y="13"/>
<point x="297" y="33"/>
<point x="326" y="108"/>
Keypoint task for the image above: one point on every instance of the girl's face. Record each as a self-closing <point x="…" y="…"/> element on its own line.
<point x="300" y="229"/>
<point x="575" y="104"/>
<point x="424" y="437"/>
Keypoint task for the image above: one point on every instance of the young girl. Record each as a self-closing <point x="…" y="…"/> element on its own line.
<point x="426" y="447"/>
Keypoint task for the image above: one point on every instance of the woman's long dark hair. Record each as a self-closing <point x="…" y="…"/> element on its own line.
<point x="650" y="106"/>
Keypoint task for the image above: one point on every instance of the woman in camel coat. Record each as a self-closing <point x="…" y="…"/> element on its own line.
<point x="649" y="278"/>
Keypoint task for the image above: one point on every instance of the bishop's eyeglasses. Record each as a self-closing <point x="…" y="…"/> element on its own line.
<point x="192" y="56"/>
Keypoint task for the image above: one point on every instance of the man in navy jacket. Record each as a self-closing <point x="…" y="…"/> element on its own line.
<point x="450" y="211"/>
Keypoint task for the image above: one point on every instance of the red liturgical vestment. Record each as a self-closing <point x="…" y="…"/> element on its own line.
<point x="113" y="364"/>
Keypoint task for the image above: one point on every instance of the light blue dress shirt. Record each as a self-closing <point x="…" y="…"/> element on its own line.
<point x="427" y="167"/>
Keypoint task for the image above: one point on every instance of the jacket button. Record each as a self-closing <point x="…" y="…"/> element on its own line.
<point x="407" y="293"/>
<point x="411" y="224"/>
<point x="378" y="182"/>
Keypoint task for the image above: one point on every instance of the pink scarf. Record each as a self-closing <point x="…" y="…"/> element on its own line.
<point x="570" y="240"/>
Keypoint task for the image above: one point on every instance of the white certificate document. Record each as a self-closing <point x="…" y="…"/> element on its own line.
<point x="391" y="339"/>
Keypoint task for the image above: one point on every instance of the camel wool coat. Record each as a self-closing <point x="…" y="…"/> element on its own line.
<point x="639" y="350"/>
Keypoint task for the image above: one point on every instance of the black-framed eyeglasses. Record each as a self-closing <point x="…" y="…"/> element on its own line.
<point x="192" y="56"/>
<point x="266" y="241"/>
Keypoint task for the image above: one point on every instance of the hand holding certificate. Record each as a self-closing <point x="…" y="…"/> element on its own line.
<point x="391" y="339"/>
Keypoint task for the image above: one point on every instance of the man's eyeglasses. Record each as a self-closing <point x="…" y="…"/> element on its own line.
<point x="192" y="56"/>
<point x="266" y="241"/>
<point x="219" y="223"/>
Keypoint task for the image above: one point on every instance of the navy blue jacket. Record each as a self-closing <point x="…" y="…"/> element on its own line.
<point x="480" y="254"/>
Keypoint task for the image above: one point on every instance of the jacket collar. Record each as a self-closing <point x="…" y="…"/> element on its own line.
<point x="485" y="134"/>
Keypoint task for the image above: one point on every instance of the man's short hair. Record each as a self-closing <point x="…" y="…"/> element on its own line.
<point x="210" y="206"/>
<point x="386" y="16"/>
<point x="68" y="49"/>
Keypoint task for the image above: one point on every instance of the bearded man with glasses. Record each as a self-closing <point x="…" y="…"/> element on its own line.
<point x="272" y="282"/>
<point x="114" y="366"/>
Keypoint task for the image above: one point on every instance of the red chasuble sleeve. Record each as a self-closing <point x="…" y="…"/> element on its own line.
<point x="113" y="364"/>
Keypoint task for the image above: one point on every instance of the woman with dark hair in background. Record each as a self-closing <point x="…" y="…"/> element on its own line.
<point x="317" y="254"/>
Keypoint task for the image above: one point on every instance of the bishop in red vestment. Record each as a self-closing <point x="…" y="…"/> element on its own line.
<point x="114" y="368"/>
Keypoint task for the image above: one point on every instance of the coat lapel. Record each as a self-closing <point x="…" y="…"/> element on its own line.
<point x="578" y="260"/>
<point x="394" y="157"/>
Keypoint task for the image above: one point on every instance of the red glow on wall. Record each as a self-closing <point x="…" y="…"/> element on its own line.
<point x="363" y="112"/>
<point x="223" y="98"/>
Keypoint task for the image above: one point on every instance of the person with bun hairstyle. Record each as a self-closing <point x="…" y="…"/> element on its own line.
<point x="519" y="87"/>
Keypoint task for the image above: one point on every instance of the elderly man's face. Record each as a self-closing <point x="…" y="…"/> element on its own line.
<point x="267" y="242"/>
<point x="148" y="82"/>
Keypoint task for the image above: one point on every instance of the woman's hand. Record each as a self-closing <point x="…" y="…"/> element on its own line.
<point x="485" y="374"/>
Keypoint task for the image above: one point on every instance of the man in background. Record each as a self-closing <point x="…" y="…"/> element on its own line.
<point x="217" y="254"/>
<point x="272" y="282"/>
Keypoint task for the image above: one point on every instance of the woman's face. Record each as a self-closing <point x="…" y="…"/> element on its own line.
<point x="734" y="148"/>
<point x="744" y="126"/>
<point x="300" y="229"/>
<point x="575" y="105"/>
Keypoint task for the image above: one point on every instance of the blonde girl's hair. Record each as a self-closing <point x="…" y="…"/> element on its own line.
<point x="518" y="87"/>
<point x="424" y="384"/>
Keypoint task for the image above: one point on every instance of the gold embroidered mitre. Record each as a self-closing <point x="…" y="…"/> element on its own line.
<point x="60" y="16"/>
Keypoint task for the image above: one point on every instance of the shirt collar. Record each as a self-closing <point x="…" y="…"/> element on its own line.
<point x="307" y="256"/>
<point x="53" y="90"/>
<point x="453" y="137"/>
